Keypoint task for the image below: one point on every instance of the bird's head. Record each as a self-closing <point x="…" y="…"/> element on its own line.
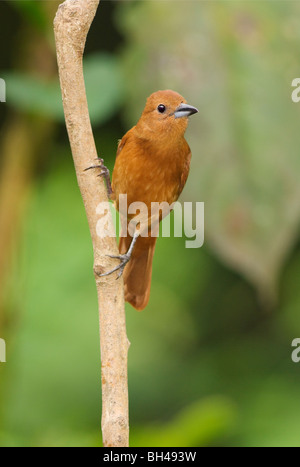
<point x="166" y="114"/>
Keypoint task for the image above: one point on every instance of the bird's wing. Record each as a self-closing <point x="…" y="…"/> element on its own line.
<point x="118" y="172"/>
<point x="123" y="141"/>
<point x="185" y="171"/>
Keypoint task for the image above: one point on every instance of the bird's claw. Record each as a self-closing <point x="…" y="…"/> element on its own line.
<point x="124" y="258"/>
<point x="100" y="165"/>
<point x="104" y="172"/>
<point x="123" y="261"/>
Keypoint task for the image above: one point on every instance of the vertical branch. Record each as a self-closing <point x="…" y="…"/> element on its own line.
<point x="71" y="26"/>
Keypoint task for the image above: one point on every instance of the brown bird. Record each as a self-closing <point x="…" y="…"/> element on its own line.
<point x="152" y="165"/>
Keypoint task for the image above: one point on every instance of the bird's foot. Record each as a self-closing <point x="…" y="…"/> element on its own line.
<point x="124" y="258"/>
<point x="104" y="173"/>
<point x="123" y="261"/>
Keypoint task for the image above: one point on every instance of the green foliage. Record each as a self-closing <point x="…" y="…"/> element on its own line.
<point x="33" y="11"/>
<point x="38" y="97"/>
<point x="199" y="424"/>
<point x="104" y="86"/>
<point x="34" y="96"/>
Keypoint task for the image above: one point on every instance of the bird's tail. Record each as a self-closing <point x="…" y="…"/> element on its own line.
<point x="138" y="271"/>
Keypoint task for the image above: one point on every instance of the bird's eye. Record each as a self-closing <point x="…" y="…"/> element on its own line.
<point x="161" y="108"/>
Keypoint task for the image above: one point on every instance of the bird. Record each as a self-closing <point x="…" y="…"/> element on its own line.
<point x="152" y="165"/>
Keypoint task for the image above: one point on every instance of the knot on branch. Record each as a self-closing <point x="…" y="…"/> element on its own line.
<point x="73" y="19"/>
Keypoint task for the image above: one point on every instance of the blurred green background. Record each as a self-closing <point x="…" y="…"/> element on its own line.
<point x="210" y="358"/>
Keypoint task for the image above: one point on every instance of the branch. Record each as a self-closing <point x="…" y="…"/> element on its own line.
<point x="71" y="26"/>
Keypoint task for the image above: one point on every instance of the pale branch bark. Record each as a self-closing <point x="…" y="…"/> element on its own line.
<point x="71" y="26"/>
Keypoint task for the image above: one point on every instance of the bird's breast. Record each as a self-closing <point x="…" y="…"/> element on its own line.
<point x="148" y="175"/>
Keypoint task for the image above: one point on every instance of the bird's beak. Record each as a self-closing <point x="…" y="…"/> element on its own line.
<point x="185" y="110"/>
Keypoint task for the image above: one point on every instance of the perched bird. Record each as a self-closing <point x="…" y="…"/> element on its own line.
<point x="152" y="165"/>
